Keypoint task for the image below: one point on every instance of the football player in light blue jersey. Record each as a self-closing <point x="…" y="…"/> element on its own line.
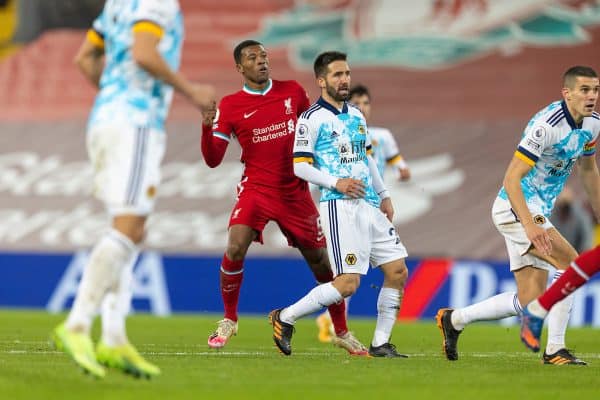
<point x="385" y="153"/>
<point x="558" y="138"/>
<point x="385" y="148"/>
<point x="132" y="54"/>
<point x="331" y="151"/>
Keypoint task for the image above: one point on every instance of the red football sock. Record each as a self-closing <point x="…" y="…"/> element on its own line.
<point x="337" y="312"/>
<point x="338" y="317"/>
<point x="580" y="271"/>
<point x="231" y="274"/>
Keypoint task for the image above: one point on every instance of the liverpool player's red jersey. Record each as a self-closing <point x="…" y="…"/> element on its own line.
<point x="264" y="125"/>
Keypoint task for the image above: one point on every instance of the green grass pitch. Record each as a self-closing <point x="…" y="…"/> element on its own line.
<point x="493" y="364"/>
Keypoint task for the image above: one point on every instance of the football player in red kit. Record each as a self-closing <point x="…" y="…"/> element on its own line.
<point x="262" y="117"/>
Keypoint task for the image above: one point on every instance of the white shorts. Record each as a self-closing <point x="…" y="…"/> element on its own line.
<point x="358" y="234"/>
<point x="517" y="243"/>
<point x="126" y="161"/>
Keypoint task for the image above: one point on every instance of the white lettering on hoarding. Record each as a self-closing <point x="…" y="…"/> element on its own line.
<point x="81" y="227"/>
<point x="26" y="174"/>
<point x="45" y="219"/>
<point x="472" y="282"/>
<point x="148" y="284"/>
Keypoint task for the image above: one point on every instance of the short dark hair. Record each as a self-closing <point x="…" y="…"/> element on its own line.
<point x="237" y="52"/>
<point x="572" y="73"/>
<point x="324" y="59"/>
<point x="359" y="90"/>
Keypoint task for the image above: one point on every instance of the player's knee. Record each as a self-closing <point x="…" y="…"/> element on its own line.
<point x="236" y="251"/>
<point x="348" y="290"/>
<point x="133" y="232"/>
<point x="395" y="275"/>
<point x="565" y="260"/>
<point x="347" y="284"/>
<point x="317" y="259"/>
<point x="321" y="267"/>
<point x="137" y="236"/>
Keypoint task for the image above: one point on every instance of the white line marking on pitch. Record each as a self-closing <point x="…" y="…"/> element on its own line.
<point x="216" y="353"/>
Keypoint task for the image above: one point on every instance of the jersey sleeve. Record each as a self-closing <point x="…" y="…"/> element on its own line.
<point x="535" y="140"/>
<point x="303" y="100"/>
<point x="368" y="141"/>
<point x="154" y="16"/>
<point x="215" y="139"/>
<point x="223" y="125"/>
<point x="304" y="141"/>
<point x="390" y="148"/>
<point x="95" y="34"/>
<point x="589" y="149"/>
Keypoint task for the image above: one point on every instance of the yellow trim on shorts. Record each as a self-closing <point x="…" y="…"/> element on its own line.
<point x="151" y="27"/>
<point x="524" y="158"/>
<point x="94" y="38"/>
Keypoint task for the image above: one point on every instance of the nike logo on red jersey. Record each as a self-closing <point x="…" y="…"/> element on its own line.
<point x="248" y="115"/>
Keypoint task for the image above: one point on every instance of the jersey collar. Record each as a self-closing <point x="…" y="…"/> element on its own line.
<point x="331" y="108"/>
<point x="568" y="116"/>
<point x="266" y="90"/>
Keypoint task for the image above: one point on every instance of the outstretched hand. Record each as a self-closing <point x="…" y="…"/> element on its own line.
<point x="201" y="96"/>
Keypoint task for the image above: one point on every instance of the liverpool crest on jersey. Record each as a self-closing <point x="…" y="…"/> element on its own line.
<point x="287" y="103"/>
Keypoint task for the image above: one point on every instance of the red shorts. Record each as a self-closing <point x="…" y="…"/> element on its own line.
<point x="297" y="216"/>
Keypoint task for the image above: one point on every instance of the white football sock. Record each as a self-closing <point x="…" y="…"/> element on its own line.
<point x="110" y="255"/>
<point x="497" y="307"/>
<point x="116" y="306"/>
<point x="347" y="301"/>
<point x="558" y="319"/>
<point x="388" y="304"/>
<point x="321" y="296"/>
<point x="536" y="309"/>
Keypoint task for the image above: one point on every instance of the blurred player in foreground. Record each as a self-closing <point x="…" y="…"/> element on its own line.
<point x="132" y="54"/>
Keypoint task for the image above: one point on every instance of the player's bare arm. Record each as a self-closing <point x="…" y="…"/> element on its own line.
<point x="516" y="170"/>
<point x="386" y="204"/>
<point x="403" y="170"/>
<point x="387" y="208"/>
<point x="90" y="58"/>
<point x="146" y="54"/>
<point x="590" y="179"/>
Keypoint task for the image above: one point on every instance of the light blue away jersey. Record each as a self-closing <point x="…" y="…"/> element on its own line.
<point x="551" y="144"/>
<point x="384" y="146"/>
<point x="127" y="92"/>
<point x="335" y="142"/>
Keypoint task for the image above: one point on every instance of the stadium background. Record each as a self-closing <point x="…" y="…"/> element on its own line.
<point x="455" y="81"/>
